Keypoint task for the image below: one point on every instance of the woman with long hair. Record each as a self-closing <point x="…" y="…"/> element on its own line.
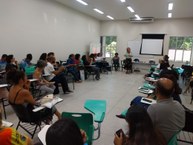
<point x="141" y="130"/>
<point x="19" y="94"/>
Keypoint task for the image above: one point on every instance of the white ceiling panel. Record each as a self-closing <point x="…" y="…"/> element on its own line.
<point x="144" y="8"/>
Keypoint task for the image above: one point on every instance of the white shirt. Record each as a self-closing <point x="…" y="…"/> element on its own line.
<point x="48" y="70"/>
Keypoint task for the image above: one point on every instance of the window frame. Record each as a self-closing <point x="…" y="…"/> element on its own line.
<point x="183" y="49"/>
<point x="104" y="45"/>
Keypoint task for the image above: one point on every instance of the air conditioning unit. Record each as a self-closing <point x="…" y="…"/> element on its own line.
<point x="141" y="20"/>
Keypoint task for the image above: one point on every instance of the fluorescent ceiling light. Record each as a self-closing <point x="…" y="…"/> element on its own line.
<point x="137" y="16"/>
<point x="170" y="6"/>
<point x="131" y="9"/>
<point x="169" y="15"/>
<point x="110" y="17"/>
<point x="122" y="1"/>
<point x="82" y="2"/>
<point x="99" y="11"/>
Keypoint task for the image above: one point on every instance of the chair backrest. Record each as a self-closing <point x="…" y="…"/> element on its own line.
<point x="21" y="112"/>
<point x="136" y="60"/>
<point x="29" y="71"/>
<point x="173" y="140"/>
<point x="84" y="121"/>
<point x="151" y="62"/>
<point x="189" y="119"/>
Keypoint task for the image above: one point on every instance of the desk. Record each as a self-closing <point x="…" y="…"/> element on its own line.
<point x="141" y="65"/>
<point x="33" y="80"/>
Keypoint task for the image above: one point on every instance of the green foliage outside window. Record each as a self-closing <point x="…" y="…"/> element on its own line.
<point x="180" y="48"/>
<point x="111" y="45"/>
<point x="183" y="43"/>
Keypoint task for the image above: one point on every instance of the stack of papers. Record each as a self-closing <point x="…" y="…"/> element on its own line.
<point x="145" y="90"/>
<point x="51" y="103"/>
<point x="6" y="123"/>
<point x="48" y="101"/>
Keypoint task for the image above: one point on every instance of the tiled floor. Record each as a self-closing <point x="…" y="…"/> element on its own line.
<point x="118" y="89"/>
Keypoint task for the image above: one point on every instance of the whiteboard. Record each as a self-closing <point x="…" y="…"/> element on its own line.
<point x="135" y="47"/>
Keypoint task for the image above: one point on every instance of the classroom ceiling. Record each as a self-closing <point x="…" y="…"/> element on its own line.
<point x="144" y="8"/>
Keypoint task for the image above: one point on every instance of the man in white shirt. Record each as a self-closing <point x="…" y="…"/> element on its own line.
<point x="56" y="76"/>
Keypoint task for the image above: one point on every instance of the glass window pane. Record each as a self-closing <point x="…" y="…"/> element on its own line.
<point x="171" y="54"/>
<point x="107" y="54"/>
<point x="186" y="56"/>
<point x="180" y="41"/>
<point x="110" y="46"/>
<point x="172" y="43"/>
<point x="179" y="54"/>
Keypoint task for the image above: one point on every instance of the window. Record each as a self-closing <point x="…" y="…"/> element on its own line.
<point x="180" y="48"/>
<point x="109" y="45"/>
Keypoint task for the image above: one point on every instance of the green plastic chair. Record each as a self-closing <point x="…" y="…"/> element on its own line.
<point x="173" y="140"/>
<point x="29" y="70"/>
<point x="84" y="121"/>
<point x="98" y="108"/>
<point x="124" y="113"/>
<point x="148" y="86"/>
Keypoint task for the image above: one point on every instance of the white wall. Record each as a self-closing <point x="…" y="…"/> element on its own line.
<point x="126" y="31"/>
<point x="36" y="26"/>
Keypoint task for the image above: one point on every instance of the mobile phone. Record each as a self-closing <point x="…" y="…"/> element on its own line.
<point x="118" y="132"/>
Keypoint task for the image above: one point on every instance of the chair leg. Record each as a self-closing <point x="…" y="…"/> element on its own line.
<point x="18" y="125"/>
<point x="99" y="131"/>
<point x="73" y="85"/>
<point x="4" y="108"/>
<point x="34" y="131"/>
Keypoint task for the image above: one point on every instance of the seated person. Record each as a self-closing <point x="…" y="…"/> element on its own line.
<point x="3" y="62"/>
<point x="42" y="84"/>
<point x="71" y="66"/>
<point x="11" y="62"/>
<point x="165" y="63"/>
<point x="43" y="56"/>
<point x="9" y="136"/>
<point x="175" y="95"/>
<point x="19" y="94"/>
<point x="56" y="76"/>
<point x="141" y="129"/>
<point x="77" y="59"/>
<point x="65" y="132"/>
<point x="26" y="62"/>
<point x="116" y="61"/>
<point x="167" y="115"/>
<point x="88" y="65"/>
<point x="177" y="90"/>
